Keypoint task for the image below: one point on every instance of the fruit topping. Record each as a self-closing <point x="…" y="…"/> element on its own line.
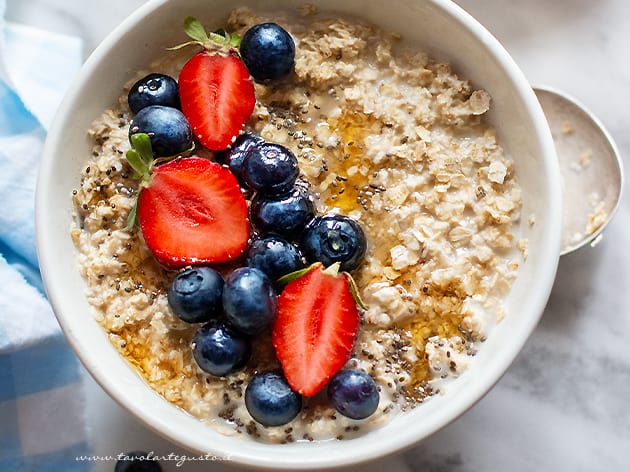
<point x="217" y="97"/>
<point x="353" y="393"/>
<point x="274" y="255"/>
<point x="268" y="50"/>
<point x="195" y="294"/>
<point x="220" y="350"/>
<point x="191" y="211"/>
<point x="215" y="89"/>
<point x="334" y="238"/>
<point x="249" y="300"/>
<point x="154" y="89"/>
<point x="270" y="400"/>
<point x="315" y="328"/>
<point x="236" y="154"/>
<point x="286" y="215"/>
<point x="167" y="127"/>
<point x="270" y="169"/>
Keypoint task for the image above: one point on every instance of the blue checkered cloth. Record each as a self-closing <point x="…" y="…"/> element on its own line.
<point x="42" y="426"/>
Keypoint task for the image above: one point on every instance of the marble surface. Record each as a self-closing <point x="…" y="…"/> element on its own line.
<point x="563" y="405"/>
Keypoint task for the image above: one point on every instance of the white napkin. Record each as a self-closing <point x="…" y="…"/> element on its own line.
<point x="36" y="68"/>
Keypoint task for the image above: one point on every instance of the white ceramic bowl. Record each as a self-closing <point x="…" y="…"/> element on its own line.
<point x="440" y="28"/>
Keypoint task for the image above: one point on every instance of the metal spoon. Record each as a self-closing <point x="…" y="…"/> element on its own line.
<point x="590" y="167"/>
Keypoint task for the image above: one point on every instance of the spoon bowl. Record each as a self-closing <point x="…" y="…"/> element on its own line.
<point x="590" y="167"/>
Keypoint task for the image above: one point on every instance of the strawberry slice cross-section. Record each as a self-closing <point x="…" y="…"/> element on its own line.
<point x="193" y="212"/>
<point x="216" y="91"/>
<point x="217" y="97"/>
<point x="315" y="328"/>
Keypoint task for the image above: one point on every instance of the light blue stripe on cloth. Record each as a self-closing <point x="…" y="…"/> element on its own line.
<point x="41" y="409"/>
<point x="20" y="153"/>
<point x="49" y="364"/>
<point x="14" y="118"/>
<point x="29" y="271"/>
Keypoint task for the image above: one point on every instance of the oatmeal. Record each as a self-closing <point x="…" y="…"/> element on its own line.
<point x="384" y="135"/>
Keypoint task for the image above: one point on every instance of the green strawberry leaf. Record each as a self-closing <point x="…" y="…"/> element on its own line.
<point x="132" y="219"/>
<point x="137" y="163"/>
<point x="354" y="290"/>
<point x="195" y="30"/>
<point x="141" y="142"/>
<point x="183" y="45"/>
<point x="221" y="36"/>
<point x="140" y="158"/>
<point x="333" y="269"/>
<point x="291" y="276"/>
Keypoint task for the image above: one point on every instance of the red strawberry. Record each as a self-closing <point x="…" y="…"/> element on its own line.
<point x="315" y="328"/>
<point x="190" y="210"/>
<point x="217" y="97"/>
<point x="215" y="89"/>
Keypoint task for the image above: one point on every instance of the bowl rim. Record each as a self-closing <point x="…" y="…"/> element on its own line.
<point x="256" y="456"/>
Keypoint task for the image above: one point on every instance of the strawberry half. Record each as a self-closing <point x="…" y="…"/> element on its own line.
<point x="190" y="210"/>
<point x="315" y="327"/>
<point x="215" y="89"/>
<point x="193" y="212"/>
<point x="217" y="97"/>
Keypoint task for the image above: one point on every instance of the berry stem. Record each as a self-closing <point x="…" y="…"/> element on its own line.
<point x="333" y="269"/>
<point x="216" y="41"/>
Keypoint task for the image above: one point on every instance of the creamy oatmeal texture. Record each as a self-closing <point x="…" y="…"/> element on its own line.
<point x="384" y="135"/>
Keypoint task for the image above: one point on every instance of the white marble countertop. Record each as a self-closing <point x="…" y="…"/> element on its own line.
<point x="563" y="405"/>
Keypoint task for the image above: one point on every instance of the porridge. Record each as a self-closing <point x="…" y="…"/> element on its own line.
<point x="383" y="135"/>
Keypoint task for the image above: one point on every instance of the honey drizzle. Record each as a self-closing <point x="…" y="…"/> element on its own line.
<point x="445" y="323"/>
<point x="129" y="341"/>
<point x="347" y="161"/>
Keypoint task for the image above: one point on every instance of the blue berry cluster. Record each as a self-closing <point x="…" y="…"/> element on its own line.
<point x="288" y="232"/>
<point x="287" y="235"/>
<point x="231" y="311"/>
<point x="154" y="100"/>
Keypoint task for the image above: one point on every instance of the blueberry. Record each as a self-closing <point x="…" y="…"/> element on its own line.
<point x="274" y="255"/>
<point x="270" y="169"/>
<point x="353" y="393"/>
<point x="195" y="294"/>
<point x="137" y="461"/>
<point x="249" y="300"/>
<point x="220" y="350"/>
<point x="286" y="215"/>
<point x="268" y="51"/>
<point x="154" y="89"/>
<point x="235" y="156"/>
<point x="167" y="127"/>
<point x="334" y="238"/>
<point x="270" y="400"/>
